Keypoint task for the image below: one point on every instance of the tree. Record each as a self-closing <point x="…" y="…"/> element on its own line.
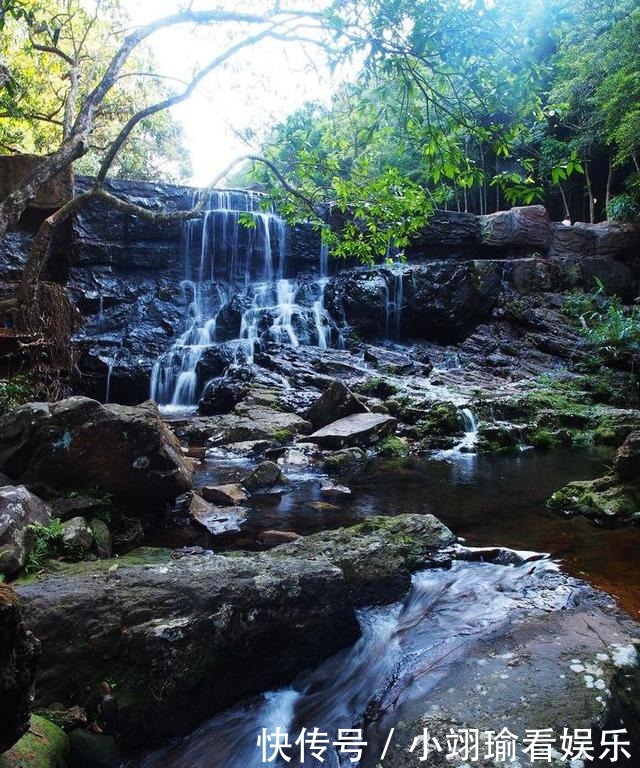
<point x="51" y="59"/>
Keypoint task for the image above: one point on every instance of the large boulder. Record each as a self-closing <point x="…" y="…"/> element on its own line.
<point x="45" y="745"/>
<point x="377" y="556"/>
<point x="19" y="509"/>
<point x="521" y="227"/>
<point x="359" y="429"/>
<point x="626" y="462"/>
<point x="336" y="402"/>
<point x="18" y="657"/>
<point x="78" y="443"/>
<point x="181" y="639"/>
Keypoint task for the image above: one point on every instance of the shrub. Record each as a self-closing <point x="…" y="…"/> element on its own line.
<point x="15" y="391"/>
<point x="623" y="208"/>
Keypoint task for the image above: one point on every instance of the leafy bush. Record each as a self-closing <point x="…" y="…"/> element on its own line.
<point x="15" y="391"/>
<point x="47" y="543"/>
<point x="623" y="208"/>
<point x="603" y="318"/>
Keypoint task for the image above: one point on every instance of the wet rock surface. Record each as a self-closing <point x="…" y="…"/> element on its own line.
<point x="19" y="509"/>
<point x="358" y="430"/>
<point x="79" y="443"/>
<point x="183" y="639"/>
<point x="19" y="652"/>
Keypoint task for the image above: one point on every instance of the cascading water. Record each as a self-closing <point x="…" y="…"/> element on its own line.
<point x="233" y="262"/>
<point x="404" y="652"/>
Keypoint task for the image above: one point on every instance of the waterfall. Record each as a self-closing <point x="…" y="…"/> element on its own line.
<point x="235" y="257"/>
<point x="470" y="439"/>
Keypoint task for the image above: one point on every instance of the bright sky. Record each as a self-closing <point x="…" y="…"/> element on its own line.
<point x="258" y="87"/>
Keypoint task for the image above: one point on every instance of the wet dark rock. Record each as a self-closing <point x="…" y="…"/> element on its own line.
<point x="336" y="402"/>
<point x="626" y="462"/>
<point x="559" y="668"/>
<point x="377" y="556"/>
<point x="181" y="640"/>
<point x="265" y="475"/>
<point x="333" y="491"/>
<point x="66" y="507"/>
<point x="230" y="494"/>
<point x="392" y="362"/>
<point x="93" y="750"/>
<point x="19" y="651"/>
<point x="360" y="430"/>
<point x="19" y="509"/>
<point x="343" y="458"/>
<point x="70" y="445"/>
<point x="76" y="534"/>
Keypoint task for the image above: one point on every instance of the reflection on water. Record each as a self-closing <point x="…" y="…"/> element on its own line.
<point x="487" y="500"/>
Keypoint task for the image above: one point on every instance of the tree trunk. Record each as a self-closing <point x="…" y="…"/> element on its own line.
<point x="587" y="178"/>
<point x="609" y="184"/>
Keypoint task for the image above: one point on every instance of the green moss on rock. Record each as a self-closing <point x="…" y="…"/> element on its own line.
<point x="43" y="746"/>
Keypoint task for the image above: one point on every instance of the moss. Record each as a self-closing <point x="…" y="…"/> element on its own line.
<point x="140" y="556"/>
<point x="376" y="387"/>
<point x="542" y="438"/>
<point x="441" y="420"/>
<point x="43" y="746"/>
<point x="602" y="498"/>
<point x="393" y="447"/>
<point x="284" y="434"/>
<point x="345" y="457"/>
<point x="496" y="438"/>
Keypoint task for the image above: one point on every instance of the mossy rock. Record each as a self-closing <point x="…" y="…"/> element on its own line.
<point x="393" y="447"/>
<point x="441" y="420"/>
<point x="603" y="498"/>
<point x="499" y="438"/>
<point x="343" y="459"/>
<point x="43" y="746"/>
<point x="376" y="387"/>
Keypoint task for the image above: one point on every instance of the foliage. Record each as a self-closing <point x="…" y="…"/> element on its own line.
<point x="47" y="543"/>
<point x="623" y="208"/>
<point x="604" y="320"/>
<point x="15" y="391"/>
<point x="54" y="59"/>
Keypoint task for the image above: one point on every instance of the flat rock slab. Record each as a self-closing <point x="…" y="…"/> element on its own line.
<point x="228" y="495"/>
<point x="180" y="640"/>
<point x="359" y="429"/>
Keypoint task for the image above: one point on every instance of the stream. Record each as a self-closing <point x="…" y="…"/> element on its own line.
<point x="408" y="648"/>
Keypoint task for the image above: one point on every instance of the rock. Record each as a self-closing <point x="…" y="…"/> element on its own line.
<point x="67" y="719"/>
<point x="343" y="458"/>
<point x="76" y="534"/>
<point x="78" y="443"/>
<point x="377" y="556"/>
<point x="101" y="538"/>
<point x="18" y="510"/>
<point x="196" y="452"/>
<point x="180" y="640"/>
<point x="393" y="362"/>
<point x="216" y="519"/>
<point x="336" y="402"/>
<point x="19" y="652"/>
<point x="568" y="661"/>
<point x="249" y="424"/>
<point x="605" y="498"/>
<point x="274" y="538"/>
<point x="230" y="494"/>
<point x="220" y="396"/>
<point x="93" y="750"/>
<point x="265" y="475"/>
<point x="626" y="462"/>
<point x="332" y="491"/>
<point x="64" y="507"/>
<point x="44" y="746"/>
<point x="360" y="429"/>
<point x="499" y="438"/>
<point x="524" y="227"/>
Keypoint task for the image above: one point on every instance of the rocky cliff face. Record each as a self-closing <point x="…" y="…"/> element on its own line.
<point x="127" y="278"/>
